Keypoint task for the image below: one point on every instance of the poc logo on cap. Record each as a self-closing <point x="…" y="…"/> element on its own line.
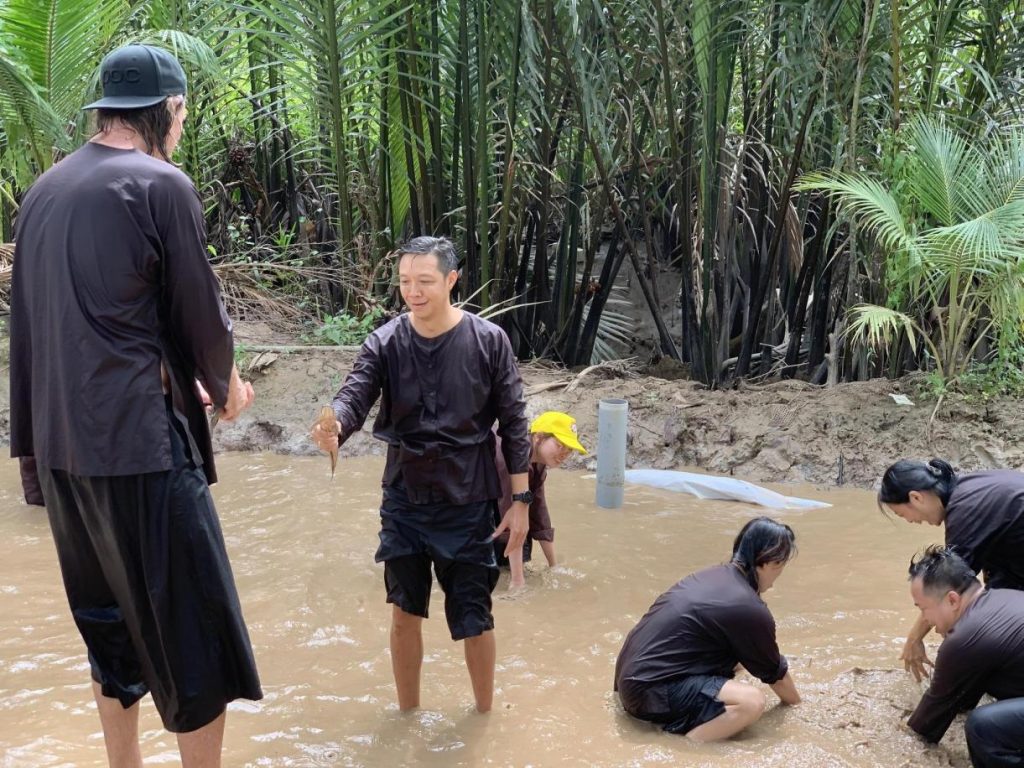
<point x="131" y="75"/>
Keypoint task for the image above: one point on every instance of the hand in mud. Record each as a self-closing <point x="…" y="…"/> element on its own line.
<point x="517" y="522"/>
<point x="915" y="659"/>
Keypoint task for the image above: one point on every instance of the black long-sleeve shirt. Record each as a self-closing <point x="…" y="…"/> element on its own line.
<point x="111" y="278"/>
<point x="704" y="625"/>
<point x="439" y="400"/>
<point x="983" y="653"/>
<point x="985" y="524"/>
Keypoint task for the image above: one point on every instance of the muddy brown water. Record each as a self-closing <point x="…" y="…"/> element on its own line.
<point x="302" y="548"/>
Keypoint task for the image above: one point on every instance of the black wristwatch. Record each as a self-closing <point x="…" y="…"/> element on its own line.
<point x="526" y="497"/>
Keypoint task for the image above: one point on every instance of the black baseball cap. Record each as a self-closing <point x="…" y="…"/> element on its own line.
<point x="138" y="76"/>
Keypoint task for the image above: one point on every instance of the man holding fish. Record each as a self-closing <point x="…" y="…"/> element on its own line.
<point x="443" y="376"/>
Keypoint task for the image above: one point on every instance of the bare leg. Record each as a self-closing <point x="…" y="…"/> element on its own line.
<point x="201" y="748"/>
<point x="549" y="552"/>
<point x="120" y="730"/>
<point x="744" y="705"/>
<point x="406" y="656"/>
<point x="480" y="655"/>
<point x="515" y="563"/>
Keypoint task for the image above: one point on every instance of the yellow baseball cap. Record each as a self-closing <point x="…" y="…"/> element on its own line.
<point x="561" y="425"/>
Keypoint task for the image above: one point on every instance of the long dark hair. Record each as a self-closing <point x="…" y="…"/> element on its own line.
<point x="905" y="476"/>
<point x="760" y="541"/>
<point x="153" y="124"/>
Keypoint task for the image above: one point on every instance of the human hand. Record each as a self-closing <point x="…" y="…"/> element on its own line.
<point x="915" y="659"/>
<point x="517" y="522"/>
<point x="325" y="435"/>
<point x="240" y="396"/>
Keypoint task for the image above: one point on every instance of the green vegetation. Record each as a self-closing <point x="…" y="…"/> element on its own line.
<point x="555" y="140"/>
<point x="346" y="330"/>
<point x="952" y="229"/>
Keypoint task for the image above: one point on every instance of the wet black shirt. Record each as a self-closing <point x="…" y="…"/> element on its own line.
<point x="983" y="653"/>
<point x="705" y="625"/>
<point x="111" y="277"/>
<point x="985" y="522"/>
<point x="439" y="399"/>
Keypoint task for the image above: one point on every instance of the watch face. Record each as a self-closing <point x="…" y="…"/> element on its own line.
<point x="526" y="497"/>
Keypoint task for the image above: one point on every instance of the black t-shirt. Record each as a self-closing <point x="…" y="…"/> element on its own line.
<point x="985" y="523"/>
<point x="705" y="625"/>
<point x="983" y="653"/>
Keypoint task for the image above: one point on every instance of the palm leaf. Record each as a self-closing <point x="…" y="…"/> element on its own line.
<point x="62" y="41"/>
<point x="868" y="201"/>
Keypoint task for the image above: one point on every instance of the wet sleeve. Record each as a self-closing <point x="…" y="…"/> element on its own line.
<point x="360" y="390"/>
<point x="540" y="519"/>
<point x="752" y="634"/>
<point x="196" y="317"/>
<point x="951" y="691"/>
<point x="507" y="395"/>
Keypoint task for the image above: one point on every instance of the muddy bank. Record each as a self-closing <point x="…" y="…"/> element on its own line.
<point x="780" y="432"/>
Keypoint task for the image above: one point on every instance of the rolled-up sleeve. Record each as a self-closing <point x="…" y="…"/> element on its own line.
<point x="360" y="390"/>
<point x="196" y="316"/>
<point x="507" y="394"/>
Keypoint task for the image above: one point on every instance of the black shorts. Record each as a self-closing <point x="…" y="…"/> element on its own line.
<point x="456" y="540"/>
<point x="151" y="590"/>
<point x="692" y="701"/>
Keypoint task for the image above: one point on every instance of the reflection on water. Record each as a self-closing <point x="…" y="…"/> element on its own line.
<point x="302" y="547"/>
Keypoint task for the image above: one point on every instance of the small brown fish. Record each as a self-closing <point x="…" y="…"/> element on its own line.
<point x="328" y="422"/>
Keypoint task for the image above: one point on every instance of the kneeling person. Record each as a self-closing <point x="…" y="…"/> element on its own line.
<point x="677" y="664"/>
<point x="983" y="652"/>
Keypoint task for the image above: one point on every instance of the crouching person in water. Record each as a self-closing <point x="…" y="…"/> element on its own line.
<point x="983" y="652"/>
<point x="983" y="514"/>
<point x="677" y="664"/>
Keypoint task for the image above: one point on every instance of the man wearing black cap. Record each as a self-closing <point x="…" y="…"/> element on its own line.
<point x="115" y="316"/>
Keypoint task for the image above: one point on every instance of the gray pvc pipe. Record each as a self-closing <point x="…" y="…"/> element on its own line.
<point x="611" y="452"/>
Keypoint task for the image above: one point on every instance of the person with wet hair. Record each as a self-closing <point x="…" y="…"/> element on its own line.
<point x="982" y="653"/>
<point x="983" y="513"/>
<point x="115" y="315"/>
<point x="677" y="665"/>
<point x="443" y="376"/>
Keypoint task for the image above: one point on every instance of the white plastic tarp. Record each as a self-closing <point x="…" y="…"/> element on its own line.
<point x="717" y="487"/>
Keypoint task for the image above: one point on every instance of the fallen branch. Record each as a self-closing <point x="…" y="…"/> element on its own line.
<point x="626" y="367"/>
<point x="538" y="388"/>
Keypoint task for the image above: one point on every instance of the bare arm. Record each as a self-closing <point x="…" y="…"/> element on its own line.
<point x="785" y="689"/>
<point x="515" y="563"/>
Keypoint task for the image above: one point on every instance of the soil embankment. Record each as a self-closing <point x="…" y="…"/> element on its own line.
<point x="780" y="432"/>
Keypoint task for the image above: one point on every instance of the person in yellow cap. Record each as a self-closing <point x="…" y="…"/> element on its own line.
<point x="553" y="437"/>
